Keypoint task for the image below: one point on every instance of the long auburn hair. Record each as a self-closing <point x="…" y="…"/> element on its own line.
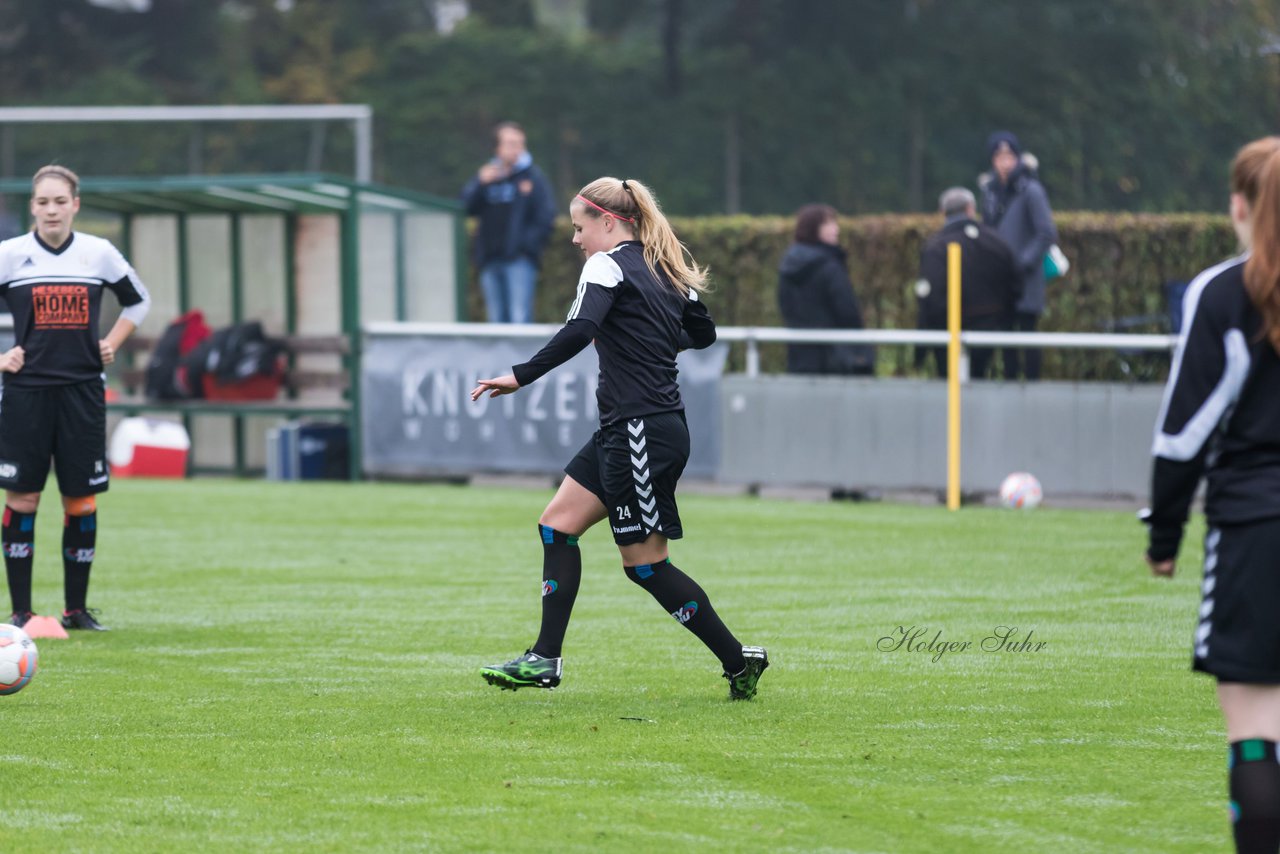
<point x="1255" y="175"/>
<point x="662" y="249"/>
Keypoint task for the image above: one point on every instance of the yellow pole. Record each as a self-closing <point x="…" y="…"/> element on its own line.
<point x="953" y="376"/>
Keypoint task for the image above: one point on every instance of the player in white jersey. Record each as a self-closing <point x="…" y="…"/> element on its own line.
<point x="54" y="405"/>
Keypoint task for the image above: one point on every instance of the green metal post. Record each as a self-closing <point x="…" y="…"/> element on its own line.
<point x="460" y="267"/>
<point x="126" y="247"/>
<point x="402" y="298"/>
<point x="126" y="236"/>
<point x="237" y="315"/>
<point x="184" y="266"/>
<point x="184" y="305"/>
<point x="237" y="271"/>
<point x="350" y="225"/>
<point x="291" y="274"/>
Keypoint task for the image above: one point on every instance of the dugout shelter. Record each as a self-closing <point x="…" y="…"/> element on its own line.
<point x="311" y="256"/>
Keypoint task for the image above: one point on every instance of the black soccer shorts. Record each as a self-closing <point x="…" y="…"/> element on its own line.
<point x="1237" y="637"/>
<point x="67" y="423"/>
<point x="633" y="466"/>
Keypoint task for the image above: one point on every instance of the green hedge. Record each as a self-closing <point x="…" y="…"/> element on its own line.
<point x="1119" y="263"/>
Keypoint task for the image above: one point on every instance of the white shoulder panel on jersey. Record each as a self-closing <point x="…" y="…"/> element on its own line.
<point x="101" y="257"/>
<point x="13" y="252"/>
<point x="601" y="270"/>
<point x="1188" y="443"/>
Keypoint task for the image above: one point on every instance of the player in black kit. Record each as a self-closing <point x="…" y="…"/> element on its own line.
<point x="1221" y="419"/>
<point x="638" y="300"/>
<point x="54" y="403"/>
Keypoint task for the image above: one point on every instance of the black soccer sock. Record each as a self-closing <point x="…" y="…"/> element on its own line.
<point x="19" y="536"/>
<point x="561" y="575"/>
<point x="1255" y="796"/>
<point x="688" y="603"/>
<point x="79" y="535"/>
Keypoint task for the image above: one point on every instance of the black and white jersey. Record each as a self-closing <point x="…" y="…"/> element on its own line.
<point x="55" y="296"/>
<point x="639" y="321"/>
<point x="1220" y="414"/>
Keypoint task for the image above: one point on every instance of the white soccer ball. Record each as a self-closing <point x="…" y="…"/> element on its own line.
<point x="1020" y="491"/>
<point x="18" y="658"/>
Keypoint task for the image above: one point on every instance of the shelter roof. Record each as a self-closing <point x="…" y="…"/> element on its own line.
<point x="289" y="193"/>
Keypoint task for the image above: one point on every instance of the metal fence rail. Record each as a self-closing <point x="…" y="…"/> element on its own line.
<point x="754" y="336"/>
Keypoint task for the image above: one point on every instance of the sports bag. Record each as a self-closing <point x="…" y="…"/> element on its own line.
<point x="242" y="363"/>
<point x="164" y="378"/>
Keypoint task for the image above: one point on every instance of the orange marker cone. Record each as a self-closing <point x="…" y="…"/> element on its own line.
<point x="44" y="627"/>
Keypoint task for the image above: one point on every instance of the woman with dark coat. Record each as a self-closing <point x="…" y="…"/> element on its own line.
<point x="1016" y="206"/>
<point x="814" y="292"/>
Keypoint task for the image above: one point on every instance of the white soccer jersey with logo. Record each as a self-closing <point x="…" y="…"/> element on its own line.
<point x="55" y="296"/>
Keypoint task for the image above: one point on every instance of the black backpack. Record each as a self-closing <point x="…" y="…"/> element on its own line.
<point x="236" y="362"/>
<point x="164" y="377"/>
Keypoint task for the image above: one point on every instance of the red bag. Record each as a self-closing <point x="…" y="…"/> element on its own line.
<point x="240" y="362"/>
<point x="166" y="375"/>
<point x="259" y="387"/>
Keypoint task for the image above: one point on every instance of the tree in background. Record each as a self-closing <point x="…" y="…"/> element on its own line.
<point x="723" y="105"/>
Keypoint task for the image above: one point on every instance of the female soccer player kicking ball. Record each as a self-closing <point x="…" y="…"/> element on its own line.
<point x="638" y="300"/>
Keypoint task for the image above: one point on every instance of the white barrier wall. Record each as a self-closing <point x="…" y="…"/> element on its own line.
<point x="1077" y="438"/>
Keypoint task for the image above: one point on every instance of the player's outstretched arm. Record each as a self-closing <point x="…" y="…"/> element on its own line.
<point x="497" y="385"/>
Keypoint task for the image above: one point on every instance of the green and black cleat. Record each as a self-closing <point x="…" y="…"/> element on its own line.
<point x="742" y="685"/>
<point x="528" y="671"/>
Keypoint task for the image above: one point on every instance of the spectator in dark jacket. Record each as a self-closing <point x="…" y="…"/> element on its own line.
<point x="516" y="208"/>
<point x="989" y="283"/>
<point x="1017" y="207"/>
<point x="814" y="292"/>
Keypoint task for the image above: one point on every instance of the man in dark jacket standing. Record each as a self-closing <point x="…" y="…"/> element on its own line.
<point x="516" y="208"/>
<point x="814" y="292"/>
<point x="989" y="282"/>
<point x="1017" y="207"/>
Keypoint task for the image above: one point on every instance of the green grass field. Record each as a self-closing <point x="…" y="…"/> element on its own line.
<point x="296" y="667"/>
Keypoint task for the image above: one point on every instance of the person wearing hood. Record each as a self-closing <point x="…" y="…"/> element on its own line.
<point x="517" y="210"/>
<point x="814" y="292"/>
<point x="1015" y="204"/>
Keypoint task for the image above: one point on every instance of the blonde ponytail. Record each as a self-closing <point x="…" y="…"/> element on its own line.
<point x="631" y="201"/>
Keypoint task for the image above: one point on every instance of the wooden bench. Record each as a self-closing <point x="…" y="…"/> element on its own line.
<point x="299" y="394"/>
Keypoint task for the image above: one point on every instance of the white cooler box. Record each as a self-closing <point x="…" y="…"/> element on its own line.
<point x="147" y="447"/>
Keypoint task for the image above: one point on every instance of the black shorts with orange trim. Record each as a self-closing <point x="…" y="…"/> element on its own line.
<point x="65" y="423"/>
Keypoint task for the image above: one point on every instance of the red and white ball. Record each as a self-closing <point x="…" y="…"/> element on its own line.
<point x="18" y="659"/>
<point x="1021" y="491"/>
